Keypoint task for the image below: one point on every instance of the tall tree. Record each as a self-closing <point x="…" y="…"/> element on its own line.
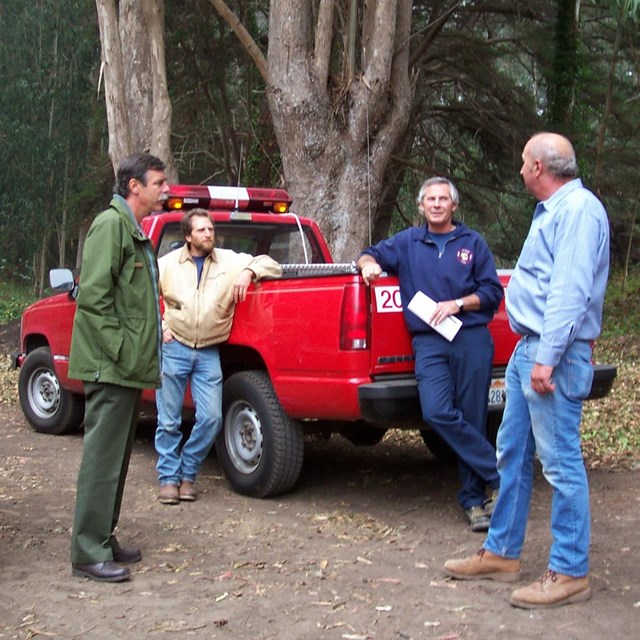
<point x="339" y="93"/>
<point x="564" y="76"/>
<point x="481" y="77"/>
<point x="133" y="68"/>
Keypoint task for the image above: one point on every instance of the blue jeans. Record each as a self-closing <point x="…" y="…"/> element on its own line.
<point x="201" y="367"/>
<point x="453" y="384"/>
<point x="550" y="425"/>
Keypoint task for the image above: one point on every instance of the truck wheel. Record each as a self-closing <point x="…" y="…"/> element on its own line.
<point x="260" y="448"/>
<point x="47" y="406"/>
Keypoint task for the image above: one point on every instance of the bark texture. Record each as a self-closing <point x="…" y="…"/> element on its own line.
<point x="134" y="76"/>
<point x="340" y="103"/>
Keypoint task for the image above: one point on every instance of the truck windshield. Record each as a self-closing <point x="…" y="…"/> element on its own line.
<point x="283" y="242"/>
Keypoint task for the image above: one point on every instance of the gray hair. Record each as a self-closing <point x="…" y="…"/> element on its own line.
<point x="455" y="196"/>
<point x="556" y="154"/>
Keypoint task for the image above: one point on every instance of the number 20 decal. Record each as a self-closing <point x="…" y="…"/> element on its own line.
<point x="388" y="299"/>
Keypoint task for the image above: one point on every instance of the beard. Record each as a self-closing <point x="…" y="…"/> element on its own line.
<point x="204" y="247"/>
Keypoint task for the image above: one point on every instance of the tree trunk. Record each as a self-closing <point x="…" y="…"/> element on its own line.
<point x="336" y="135"/>
<point x="562" y="86"/>
<point x="608" y="106"/>
<point x="340" y="106"/>
<point x="133" y="68"/>
<point x="112" y="71"/>
<point x="160" y="138"/>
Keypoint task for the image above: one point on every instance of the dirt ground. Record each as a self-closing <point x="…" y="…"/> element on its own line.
<point x="354" y="552"/>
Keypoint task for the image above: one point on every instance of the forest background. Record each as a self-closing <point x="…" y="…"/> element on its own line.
<point x="348" y="104"/>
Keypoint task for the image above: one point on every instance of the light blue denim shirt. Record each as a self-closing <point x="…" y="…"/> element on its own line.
<point x="558" y="286"/>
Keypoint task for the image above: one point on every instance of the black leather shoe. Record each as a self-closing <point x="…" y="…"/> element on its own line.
<point x="124" y="556"/>
<point x="101" y="571"/>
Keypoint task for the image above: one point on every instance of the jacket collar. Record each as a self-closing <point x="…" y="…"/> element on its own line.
<point x="186" y="256"/>
<point x="460" y="229"/>
<point x="133" y="227"/>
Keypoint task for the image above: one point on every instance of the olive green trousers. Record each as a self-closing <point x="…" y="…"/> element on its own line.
<point x="111" y="415"/>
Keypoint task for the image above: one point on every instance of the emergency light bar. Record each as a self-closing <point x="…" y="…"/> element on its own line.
<point x="183" y="196"/>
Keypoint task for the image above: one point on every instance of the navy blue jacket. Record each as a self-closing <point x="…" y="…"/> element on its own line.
<point x="466" y="266"/>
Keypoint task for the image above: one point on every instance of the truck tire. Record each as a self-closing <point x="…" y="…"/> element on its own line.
<point x="260" y="448"/>
<point x="47" y="406"/>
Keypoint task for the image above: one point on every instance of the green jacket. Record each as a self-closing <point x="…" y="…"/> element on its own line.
<point x="116" y="330"/>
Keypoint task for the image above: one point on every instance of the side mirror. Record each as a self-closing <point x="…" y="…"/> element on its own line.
<point x="61" y="280"/>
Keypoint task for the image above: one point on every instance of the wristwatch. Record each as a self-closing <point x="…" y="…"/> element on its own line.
<point x="460" y="304"/>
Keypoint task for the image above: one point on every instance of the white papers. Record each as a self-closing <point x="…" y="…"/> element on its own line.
<point x="424" y="307"/>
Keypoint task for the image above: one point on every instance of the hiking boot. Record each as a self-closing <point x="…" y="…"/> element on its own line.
<point x="490" y="502"/>
<point x="484" y="565"/>
<point x="169" y="494"/>
<point x="186" y="491"/>
<point x="552" y="590"/>
<point x="478" y="519"/>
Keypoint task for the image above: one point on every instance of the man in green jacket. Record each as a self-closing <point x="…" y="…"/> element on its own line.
<point x="115" y="350"/>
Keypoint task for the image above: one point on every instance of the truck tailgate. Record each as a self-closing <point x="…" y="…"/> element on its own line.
<point x="390" y="342"/>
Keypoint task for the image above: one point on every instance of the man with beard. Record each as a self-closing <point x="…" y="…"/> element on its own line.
<point x="201" y="286"/>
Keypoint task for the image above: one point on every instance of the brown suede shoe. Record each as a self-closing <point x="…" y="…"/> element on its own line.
<point x="169" y="494"/>
<point x="187" y="492"/>
<point x="484" y="565"/>
<point x="552" y="590"/>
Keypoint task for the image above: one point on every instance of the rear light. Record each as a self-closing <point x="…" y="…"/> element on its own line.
<point x="354" y="318"/>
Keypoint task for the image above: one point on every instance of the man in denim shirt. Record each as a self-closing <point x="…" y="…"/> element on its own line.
<point x="554" y="301"/>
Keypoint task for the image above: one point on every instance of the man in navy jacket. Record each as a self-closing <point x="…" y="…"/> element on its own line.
<point x="453" y="265"/>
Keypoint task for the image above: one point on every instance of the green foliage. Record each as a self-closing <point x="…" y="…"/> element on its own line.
<point x="565" y="67"/>
<point x="493" y="77"/>
<point x="630" y="8"/>
<point x="14" y="297"/>
<point x="621" y="309"/>
<point x="221" y="131"/>
<point x="49" y="52"/>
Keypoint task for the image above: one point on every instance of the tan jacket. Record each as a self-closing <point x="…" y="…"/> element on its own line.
<point x="202" y="316"/>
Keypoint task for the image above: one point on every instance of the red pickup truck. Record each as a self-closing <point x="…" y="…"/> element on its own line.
<point x="315" y="350"/>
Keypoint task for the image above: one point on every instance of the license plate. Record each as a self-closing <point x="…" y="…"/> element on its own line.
<point x="497" y="393"/>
